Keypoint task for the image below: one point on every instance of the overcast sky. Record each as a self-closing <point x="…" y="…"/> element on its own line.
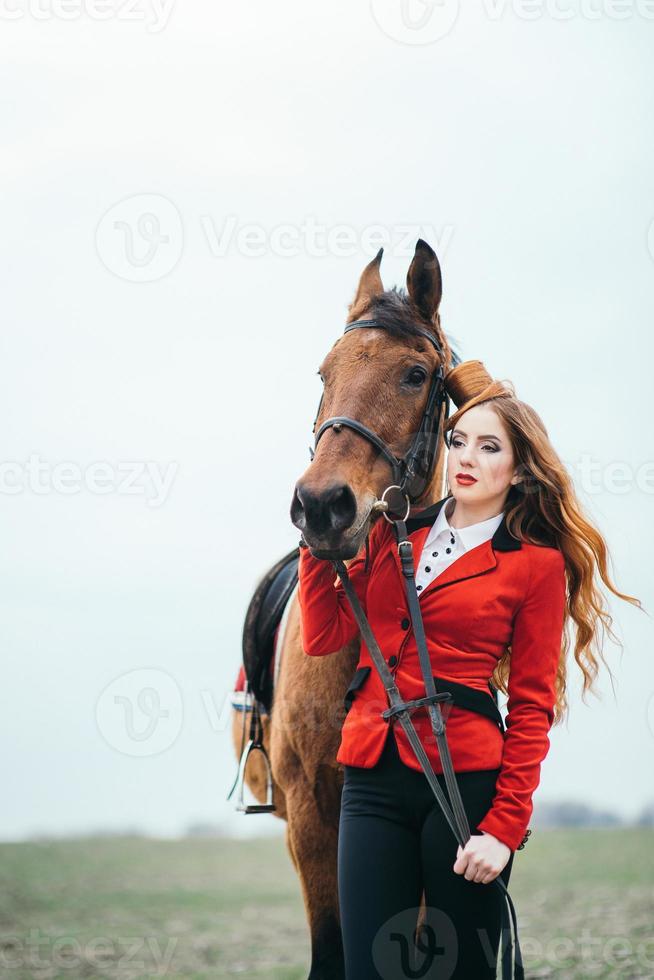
<point x="190" y="192"/>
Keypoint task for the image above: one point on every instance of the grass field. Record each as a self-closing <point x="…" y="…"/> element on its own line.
<point x="130" y="907"/>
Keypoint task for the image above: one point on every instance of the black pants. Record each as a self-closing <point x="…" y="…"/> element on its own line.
<point x="393" y="842"/>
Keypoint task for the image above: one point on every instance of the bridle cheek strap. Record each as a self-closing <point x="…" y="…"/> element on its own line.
<point x="412" y="472"/>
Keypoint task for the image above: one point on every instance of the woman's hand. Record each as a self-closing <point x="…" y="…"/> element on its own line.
<point x="482" y="859"/>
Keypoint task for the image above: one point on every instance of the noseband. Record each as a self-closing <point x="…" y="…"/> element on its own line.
<point x="411" y="473"/>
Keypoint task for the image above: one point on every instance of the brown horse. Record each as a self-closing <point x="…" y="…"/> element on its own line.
<point x="380" y="377"/>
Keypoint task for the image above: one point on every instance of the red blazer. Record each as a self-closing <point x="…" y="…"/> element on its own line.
<point x="504" y="591"/>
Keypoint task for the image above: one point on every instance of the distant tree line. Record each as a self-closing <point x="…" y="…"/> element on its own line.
<point x="572" y="813"/>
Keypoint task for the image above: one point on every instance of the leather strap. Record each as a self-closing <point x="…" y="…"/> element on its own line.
<point x="405" y="549"/>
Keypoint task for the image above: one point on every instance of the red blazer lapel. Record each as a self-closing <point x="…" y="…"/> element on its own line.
<point x="474" y="562"/>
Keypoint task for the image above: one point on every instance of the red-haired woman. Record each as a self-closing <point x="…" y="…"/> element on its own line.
<point x="506" y="568"/>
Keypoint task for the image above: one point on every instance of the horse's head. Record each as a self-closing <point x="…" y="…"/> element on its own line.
<point x="384" y="377"/>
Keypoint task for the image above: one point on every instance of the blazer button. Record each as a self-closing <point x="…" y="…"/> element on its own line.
<point x="392" y="660"/>
<point x="405" y="623"/>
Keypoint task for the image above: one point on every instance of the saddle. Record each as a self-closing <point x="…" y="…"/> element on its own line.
<point x="262" y="619"/>
<point x="253" y="691"/>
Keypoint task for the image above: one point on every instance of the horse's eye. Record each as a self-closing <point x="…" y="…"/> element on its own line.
<point x="417" y="376"/>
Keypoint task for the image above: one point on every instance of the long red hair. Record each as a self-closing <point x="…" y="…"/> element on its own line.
<point x="544" y="509"/>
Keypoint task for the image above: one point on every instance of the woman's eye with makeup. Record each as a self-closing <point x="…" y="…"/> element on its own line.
<point x="457" y="442"/>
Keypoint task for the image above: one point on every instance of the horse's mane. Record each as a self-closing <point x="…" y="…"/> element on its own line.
<point x="400" y="318"/>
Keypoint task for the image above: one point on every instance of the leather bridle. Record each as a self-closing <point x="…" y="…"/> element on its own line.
<point x="411" y="472"/>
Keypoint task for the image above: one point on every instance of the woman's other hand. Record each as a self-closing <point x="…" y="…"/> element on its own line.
<point x="482" y="859"/>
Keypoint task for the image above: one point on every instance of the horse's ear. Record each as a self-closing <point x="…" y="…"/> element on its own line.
<point x="424" y="282"/>
<point x="370" y="284"/>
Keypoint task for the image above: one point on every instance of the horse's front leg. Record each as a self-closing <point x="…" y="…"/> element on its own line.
<point x="312" y="839"/>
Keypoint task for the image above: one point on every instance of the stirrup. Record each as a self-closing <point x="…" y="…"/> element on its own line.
<point x="266" y="807"/>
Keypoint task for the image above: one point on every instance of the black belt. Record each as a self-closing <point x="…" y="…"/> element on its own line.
<point x="434" y="700"/>
<point x="464" y="696"/>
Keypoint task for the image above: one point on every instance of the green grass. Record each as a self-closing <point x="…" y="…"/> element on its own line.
<point x="133" y="908"/>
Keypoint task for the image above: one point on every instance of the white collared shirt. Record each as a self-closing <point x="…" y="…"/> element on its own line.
<point x="444" y="544"/>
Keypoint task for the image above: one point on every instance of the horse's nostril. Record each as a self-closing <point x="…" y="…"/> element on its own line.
<point x="339" y="506"/>
<point x="324" y="512"/>
<point x="297" y="511"/>
<point x="342" y="508"/>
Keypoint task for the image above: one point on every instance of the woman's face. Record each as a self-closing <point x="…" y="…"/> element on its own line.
<point x="481" y="451"/>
